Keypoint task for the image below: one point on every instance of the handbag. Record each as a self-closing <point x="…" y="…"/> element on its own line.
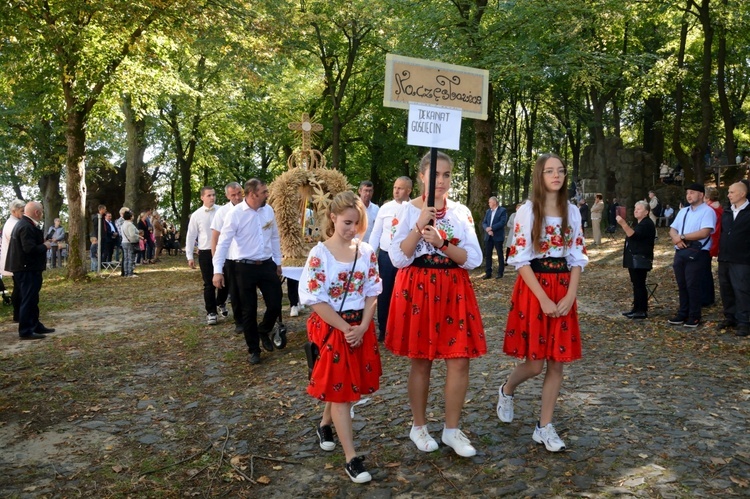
<point x="312" y="350"/>
<point x="641" y="262"/>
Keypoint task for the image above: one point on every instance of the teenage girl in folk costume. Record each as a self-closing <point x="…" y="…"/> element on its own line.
<point x="549" y="255"/>
<point x="341" y="274"/>
<point x="434" y="312"/>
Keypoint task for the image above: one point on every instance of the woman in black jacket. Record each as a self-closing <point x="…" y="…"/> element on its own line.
<point x="638" y="256"/>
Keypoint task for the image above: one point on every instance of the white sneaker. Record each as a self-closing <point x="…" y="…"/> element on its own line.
<point x="459" y="442"/>
<point x="548" y="436"/>
<point x="294" y="311"/>
<point x="223" y="310"/>
<point x="211" y="319"/>
<point x="422" y="439"/>
<point x="504" y="406"/>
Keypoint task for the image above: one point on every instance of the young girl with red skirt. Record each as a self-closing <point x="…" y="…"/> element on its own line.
<point x="340" y="282"/>
<point x="549" y="254"/>
<point x="434" y="312"/>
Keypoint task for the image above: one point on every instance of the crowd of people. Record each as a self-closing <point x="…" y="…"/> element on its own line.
<point x="405" y="266"/>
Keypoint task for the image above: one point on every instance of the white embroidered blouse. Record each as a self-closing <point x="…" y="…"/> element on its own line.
<point x="557" y="242"/>
<point x="457" y="226"/>
<point x="323" y="279"/>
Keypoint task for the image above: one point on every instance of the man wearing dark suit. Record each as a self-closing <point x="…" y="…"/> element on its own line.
<point x="27" y="259"/>
<point x="494" y="233"/>
<point x="109" y="237"/>
<point x="734" y="261"/>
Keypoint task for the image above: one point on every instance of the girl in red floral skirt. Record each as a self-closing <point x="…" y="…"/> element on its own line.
<point x="549" y="253"/>
<point x="340" y="282"/>
<point x="434" y="313"/>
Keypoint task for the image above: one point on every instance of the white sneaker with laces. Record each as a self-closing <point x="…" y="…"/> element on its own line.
<point x="459" y="442"/>
<point x="294" y="311"/>
<point x="422" y="439"/>
<point x="504" y="406"/>
<point x="548" y="436"/>
<point x="223" y="310"/>
<point x="211" y="319"/>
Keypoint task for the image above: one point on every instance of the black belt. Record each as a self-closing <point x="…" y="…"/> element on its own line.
<point x="550" y="265"/>
<point x="252" y="262"/>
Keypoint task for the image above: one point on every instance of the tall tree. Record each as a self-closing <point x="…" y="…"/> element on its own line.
<point x="88" y="42"/>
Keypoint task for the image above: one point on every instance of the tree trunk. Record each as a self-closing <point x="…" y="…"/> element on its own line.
<point x="653" y="134"/>
<point x="481" y="181"/>
<point x="75" y="164"/>
<point x="52" y="199"/>
<point x="679" y="99"/>
<point x="705" y="89"/>
<point x="135" y="129"/>
<point x="726" y="110"/>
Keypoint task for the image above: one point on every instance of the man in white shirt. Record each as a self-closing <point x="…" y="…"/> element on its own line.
<point x="199" y="229"/>
<point x="251" y="226"/>
<point x="233" y="192"/>
<point x="365" y="194"/>
<point x="380" y="238"/>
<point x="16" y="212"/>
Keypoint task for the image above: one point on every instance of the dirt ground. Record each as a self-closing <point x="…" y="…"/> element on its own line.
<point x="134" y="396"/>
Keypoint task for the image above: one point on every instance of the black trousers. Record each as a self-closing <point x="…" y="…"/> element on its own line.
<point x="734" y="287"/>
<point x="250" y="278"/>
<point x="388" y="276"/>
<point x="211" y="296"/>
<point x="489" y="247"/>
<point x="640" y="293"/>
<point x="29" y="283"/>
<point x="292" y="290"/>
<point x="690" y="273"/>
<point x="230" y="282"/>
<point x="15" y="298"/>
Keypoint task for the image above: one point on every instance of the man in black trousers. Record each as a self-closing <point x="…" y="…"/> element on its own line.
<point x="27" y="259"/>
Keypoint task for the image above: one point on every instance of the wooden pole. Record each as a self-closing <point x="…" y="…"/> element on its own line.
<point x="433" y="179"/>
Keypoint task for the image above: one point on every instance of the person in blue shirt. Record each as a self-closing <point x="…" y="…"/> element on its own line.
<point x="691" y="235"/>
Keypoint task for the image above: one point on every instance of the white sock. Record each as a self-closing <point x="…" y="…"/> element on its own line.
<point x="449" y="432"/>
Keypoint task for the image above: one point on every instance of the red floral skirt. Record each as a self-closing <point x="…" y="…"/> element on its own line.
<point x="529" y="334"/>
<point x="434" y="315"/>
<point x="343" y="373"/>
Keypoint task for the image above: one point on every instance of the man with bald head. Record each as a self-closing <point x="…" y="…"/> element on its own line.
<point x="27" y="259"/>
<point x="734" y="261"/>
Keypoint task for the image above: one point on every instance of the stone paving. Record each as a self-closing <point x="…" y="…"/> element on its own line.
<point x="650" y="411"/>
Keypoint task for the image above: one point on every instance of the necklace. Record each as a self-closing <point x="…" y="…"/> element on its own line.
<point x="439" y="214"/>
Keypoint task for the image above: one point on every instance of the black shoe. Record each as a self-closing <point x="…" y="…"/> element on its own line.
<point x="742" y="330"/>
<point x="254" y="358"/>
<point x="726" y="324"/>
<point x="45" y="330"/>
<point x="499" y="277"/>
<point x="32" y="336"/>
<point x="692" y="323"/>
<point x="266" y="341"/>
<point x="356" y="470"/>
<point x="629" y="315"/>
<point x="325" y="437"/>
<point x="487" y="277"/>
<point x="238" y="329"/>
<point x="676" y="321"/>
<point x="639" y="315"/>
<point x="381" y="337"/>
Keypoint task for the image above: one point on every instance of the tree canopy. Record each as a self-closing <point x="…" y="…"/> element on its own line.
<point x="142" y="103"/>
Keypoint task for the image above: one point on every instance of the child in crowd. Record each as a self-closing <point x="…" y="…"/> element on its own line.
<point x="549" y="254"/>
<point x="340" y="281"/>
<point x="94" y="257"/>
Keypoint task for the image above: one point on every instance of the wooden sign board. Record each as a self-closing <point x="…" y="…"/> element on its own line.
<point x="410" y="80"/>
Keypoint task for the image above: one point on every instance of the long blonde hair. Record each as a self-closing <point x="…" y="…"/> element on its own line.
<point x="539" y="195"/>
<point x="341" y="202"/>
